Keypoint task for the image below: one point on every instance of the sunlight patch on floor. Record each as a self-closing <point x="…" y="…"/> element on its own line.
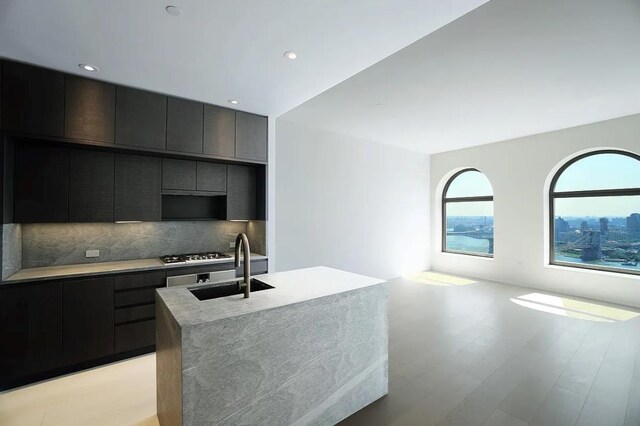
<point x="438" y="279"/>
<point x="574" y="308"/>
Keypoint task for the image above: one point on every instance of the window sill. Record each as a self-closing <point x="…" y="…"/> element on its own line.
<point x="466" y="255"/>
<point x="611" y="274"/>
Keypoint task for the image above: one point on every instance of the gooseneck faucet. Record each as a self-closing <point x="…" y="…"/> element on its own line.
<point x="243" y="242"/>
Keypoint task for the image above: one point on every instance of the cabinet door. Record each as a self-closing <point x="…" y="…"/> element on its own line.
<point x="135" y="335"/>
<point x="41" y="183"/>
<point x="251" y="137"/>
<point x="138" y="188"/>
<point x="91" y="186"/>
<point x="211" y="177"/>
<point x="87" y="319"/>
<point x="241" y="192"/>
<point x="184" y="125"/>
<point x="32" y="99"/>
<point x="90" y="109"/>
<point x="219" y="131"/>
<point x="141" y="118"/>
<point x="179" y="174"/>
<point x="30" y="330"/>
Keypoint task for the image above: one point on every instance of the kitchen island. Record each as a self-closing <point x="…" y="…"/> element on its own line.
<point x="311" y="350"/>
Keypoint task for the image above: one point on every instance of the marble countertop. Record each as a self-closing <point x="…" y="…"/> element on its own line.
<point x="289" y="287"/>
<point x="104" y="268"/>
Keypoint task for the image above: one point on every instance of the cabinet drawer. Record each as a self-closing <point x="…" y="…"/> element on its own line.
<point x="136" y="313"/>
<point x="147" y="279"/>
<point x="135" y="335"/>
<point x="135" y="297"/>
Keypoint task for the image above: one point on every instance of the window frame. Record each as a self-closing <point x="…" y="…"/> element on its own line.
<point x="588" y="193"/>
<point x="445" y="200"/>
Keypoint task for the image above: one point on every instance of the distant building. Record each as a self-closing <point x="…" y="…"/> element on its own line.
<point x="584" y="226"/>
<point x="633" y="223"/>
<point x="604" y="225"/>
<point x="561" y="225"/>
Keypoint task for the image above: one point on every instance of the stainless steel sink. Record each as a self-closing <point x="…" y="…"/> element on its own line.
<point x="225" y="289"/>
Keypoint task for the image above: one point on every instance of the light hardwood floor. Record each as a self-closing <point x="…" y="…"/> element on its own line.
<point x="461" y="353"/>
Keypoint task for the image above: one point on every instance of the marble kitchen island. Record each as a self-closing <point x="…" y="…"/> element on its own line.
<point x="311" y="350"/>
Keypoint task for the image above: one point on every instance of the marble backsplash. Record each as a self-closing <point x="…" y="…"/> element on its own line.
<point x="65" y="243"/>
<point x="11" y="249"/>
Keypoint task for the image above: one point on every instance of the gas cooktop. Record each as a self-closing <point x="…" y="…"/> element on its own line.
<point x="194" y="258"/>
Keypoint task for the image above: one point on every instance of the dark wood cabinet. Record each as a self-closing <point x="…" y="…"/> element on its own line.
<point x="30" y="330"/>
<point x="6" y="177"/>
<point x="241" y="192"/>
<point x="91" y="186"/>
<point x="141" y="118"/>
<point x="136" y="335"/>
<point x="251" y="137"/>
<point x="139" y="280"/>
<point x="178" y="175"/>
<point x="89" y="110"/>
<point x="32" y="99"/>
<point x="184" y="125"/>
<point x="219" y="131"/>
<point x="135" y="310"/>
<point x="138" y="195"/>
<point x="87" y="324"/>
<point x="211" y="177"/>
<point x="41" y="183"/>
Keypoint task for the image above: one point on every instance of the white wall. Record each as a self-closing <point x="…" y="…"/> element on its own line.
<point x="349" y="204"/>
<point x="520" y="171"/>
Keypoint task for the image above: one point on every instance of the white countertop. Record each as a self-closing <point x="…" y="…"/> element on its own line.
<point x="103" y="268"/>
<point x="289" y="287"/>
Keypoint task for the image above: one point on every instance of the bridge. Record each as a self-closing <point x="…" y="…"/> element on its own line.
<point x="589" y="242"/>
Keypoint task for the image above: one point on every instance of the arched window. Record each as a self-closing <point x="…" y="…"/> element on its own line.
<point x="467" y="214"/>
<point x="595" y="212"/>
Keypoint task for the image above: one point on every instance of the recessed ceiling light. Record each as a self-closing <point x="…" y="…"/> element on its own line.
<point x="87" y="67"/>
<point x="290" y="55"/>
<point x="233" y="101"/>
<point x="173" y="10"/>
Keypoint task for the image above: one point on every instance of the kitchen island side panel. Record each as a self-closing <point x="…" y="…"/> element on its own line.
<point x="313" y="362"/>
<point x="168" y="367"/>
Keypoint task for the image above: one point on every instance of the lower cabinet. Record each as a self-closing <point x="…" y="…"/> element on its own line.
<point x="30" y="330"/>
<point x="49" y="328"/>
<point x="135" y="335"/>
<point x="87" y="324"/>
<point x="134" y="323"/>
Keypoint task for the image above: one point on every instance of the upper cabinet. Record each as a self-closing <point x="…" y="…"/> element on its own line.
<point x="36" y="101"/>
<point x="138" y="185"/>
<point x="251" y="137"/>
<point x="178" y="175"/>
<point x="219" y="131"/>
<point x="141" y="118"/>
<point x="184" y="125"/>
<point x="241" y="193"/>
<point x="32" y="100"/>
<point x="90" y="109"/>
<point x="41" y="183"/>
<point x="91" y="185"/>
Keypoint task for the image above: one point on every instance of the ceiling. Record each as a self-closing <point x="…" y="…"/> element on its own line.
<point x="509" y="68"/>
<point x="223" y="49"/>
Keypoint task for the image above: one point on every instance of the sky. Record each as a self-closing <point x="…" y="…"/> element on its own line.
<point x="602" y="171"/>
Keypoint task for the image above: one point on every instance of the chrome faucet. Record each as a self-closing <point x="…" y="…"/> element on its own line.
<point x="242" y="240"/>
